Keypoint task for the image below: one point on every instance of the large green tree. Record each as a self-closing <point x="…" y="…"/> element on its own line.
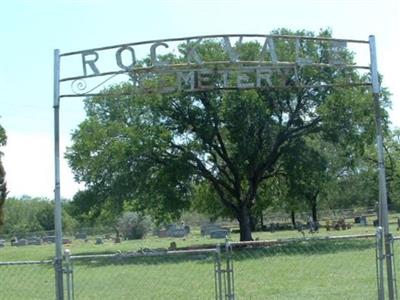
<point x="152" y="149"/>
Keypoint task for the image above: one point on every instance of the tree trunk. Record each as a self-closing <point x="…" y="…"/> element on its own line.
<point x="314" y="209"/>
<point x="293" y="217"/>
<point x="117" y="235"/>
<point x="244" y="224"/>
<point x="253" y="222"/>
<point x="3" y="192"/>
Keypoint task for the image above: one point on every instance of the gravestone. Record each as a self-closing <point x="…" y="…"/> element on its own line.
<point x="207" y="228"/>
<point x="34" y="241"/>
<point x="219" y="234"/>
<point x="2" y="243"/>
<point x="66" y="241"/>
<point x="187" y="229"/>
<point x="363" y="221"/>
<point x="174" y="230"/>
<point x="21" y="242"/>
<point x="49" y="239"/>
<point x="99" y="241"/>
<point x="177" y="232"/>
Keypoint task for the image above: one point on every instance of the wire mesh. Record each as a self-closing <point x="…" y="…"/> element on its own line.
<point x="320" y="269"/>
<point x="177" y="276"/>
<point x="30" y="280"/>
<point x="295" y="269"/>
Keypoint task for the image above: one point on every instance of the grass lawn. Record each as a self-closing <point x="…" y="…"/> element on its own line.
<point x="302" y="270"/>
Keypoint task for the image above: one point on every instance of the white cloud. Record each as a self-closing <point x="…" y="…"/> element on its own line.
<point x="29" y="163"/>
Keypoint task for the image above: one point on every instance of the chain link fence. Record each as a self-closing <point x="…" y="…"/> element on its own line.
<point x="339" y="268"/>
<point x="33" y="280"/>
<point x="142" y="276"/>
<point x="308" y="268"/>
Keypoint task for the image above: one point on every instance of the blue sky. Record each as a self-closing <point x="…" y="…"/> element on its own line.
<point x="31" y="30"/>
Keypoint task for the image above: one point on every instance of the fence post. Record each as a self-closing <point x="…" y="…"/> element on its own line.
<point x="218" y="273"/>
<point x="230" y="293"/>
<point x="70" y="274"/>
<point x="394" y="265"/>
<point x="379" y="263"/>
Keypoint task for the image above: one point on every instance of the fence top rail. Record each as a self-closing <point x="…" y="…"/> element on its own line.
<point x="285" y="241"/>
<point x="144" y="254"/>
<point x="26" y="262"/>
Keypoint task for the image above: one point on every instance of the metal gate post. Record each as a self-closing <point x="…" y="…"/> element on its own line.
<point x="394" y="266"/>
<point x="69" y="273"/>
<point x="230" y="293"/>
<point x="218" y="273"/>
<point x="379" y="264"/>
<point x="383" y="217"/>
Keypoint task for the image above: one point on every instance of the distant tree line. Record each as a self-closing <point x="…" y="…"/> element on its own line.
<point x="27" y="214"/>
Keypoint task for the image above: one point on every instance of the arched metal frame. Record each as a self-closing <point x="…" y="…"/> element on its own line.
<point x="187" y="76"/>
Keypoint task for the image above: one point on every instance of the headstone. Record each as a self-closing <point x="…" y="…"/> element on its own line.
<point x="187" y="229"/>
<point x="21" y="242"/>
<point x="207" y="228"/>
<point x="34" y="241"/>
<point x="2" y="243"/>
<point x="177" y="232"/>
<point x="99" y="241"/>
<point x="219" y="234"/>
<point x="49" y="239"/>
<point x="66" y="241"/>
<point x="170" y="226"/>
<point x="363" y="220"/>
<point x="172" y="230"/>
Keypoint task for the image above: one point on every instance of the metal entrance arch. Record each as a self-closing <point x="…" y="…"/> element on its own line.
<point x="111" y="64"/>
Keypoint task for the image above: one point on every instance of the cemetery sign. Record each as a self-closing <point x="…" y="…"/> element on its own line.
<point x="194" y="71"/>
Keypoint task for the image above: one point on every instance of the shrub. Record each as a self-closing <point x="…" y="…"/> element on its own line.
<point x="133" y="226"/>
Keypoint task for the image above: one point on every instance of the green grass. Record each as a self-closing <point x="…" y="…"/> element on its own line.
<point x="300" y="270"/>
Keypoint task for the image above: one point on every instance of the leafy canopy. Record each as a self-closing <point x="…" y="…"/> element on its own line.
<point x="156" y="151"/>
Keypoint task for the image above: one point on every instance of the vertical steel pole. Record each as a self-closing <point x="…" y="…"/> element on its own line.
<point x="57" y="194"/>
<point x="383" y="221"/>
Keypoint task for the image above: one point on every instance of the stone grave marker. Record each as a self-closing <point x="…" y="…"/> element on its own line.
<point x="219" y="234"/>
